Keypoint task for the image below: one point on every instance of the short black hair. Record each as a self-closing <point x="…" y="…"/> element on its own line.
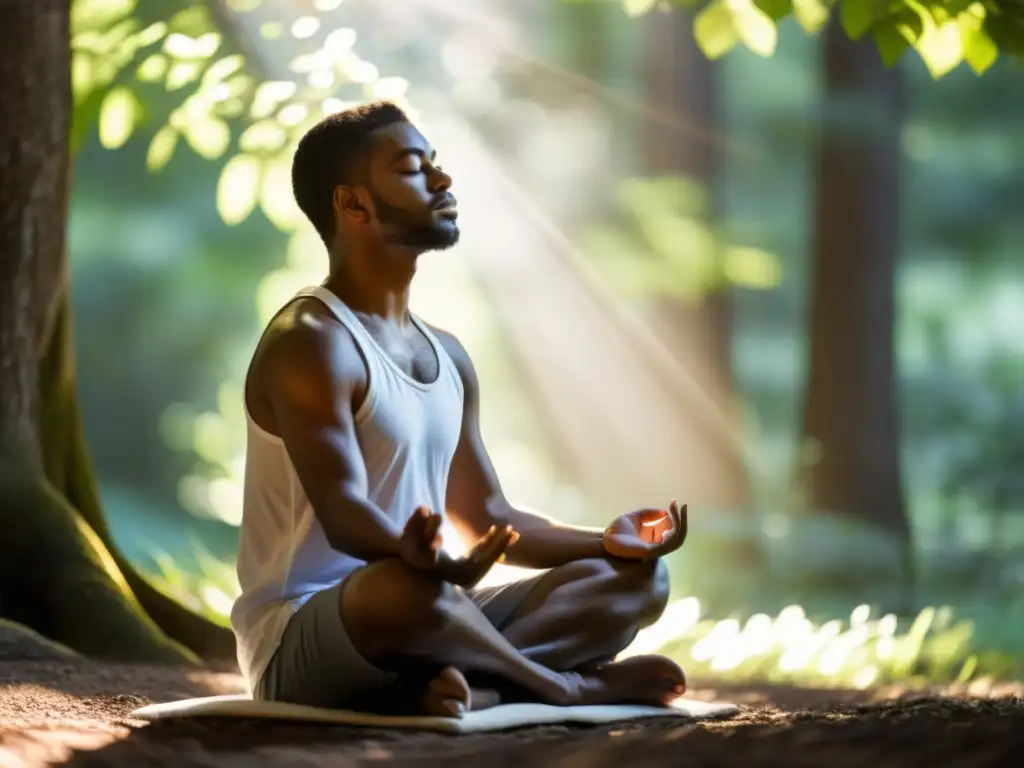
<point x="333" y="153"/>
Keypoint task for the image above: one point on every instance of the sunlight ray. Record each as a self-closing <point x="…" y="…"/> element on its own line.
<point x="482" y="21"/>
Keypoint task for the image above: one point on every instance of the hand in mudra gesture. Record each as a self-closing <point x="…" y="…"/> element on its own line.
<point x="646" y="534"/>
<point x="420" y="548"/>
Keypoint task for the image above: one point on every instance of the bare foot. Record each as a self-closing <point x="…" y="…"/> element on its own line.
<point x="449" y="695"/>
<point x="652" y="680"/>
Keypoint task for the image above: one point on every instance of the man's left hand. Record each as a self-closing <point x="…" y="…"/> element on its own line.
<point x="646" y="534"/>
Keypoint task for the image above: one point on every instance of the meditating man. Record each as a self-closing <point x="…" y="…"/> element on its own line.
<point x="363" y="434"/>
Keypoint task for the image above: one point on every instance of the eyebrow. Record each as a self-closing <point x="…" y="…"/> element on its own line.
<point x="406" y="151"/>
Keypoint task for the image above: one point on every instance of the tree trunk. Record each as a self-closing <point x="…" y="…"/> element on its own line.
<point x="681" y="83"/>
<point x="59" y="570"/>
<point x="850" y="411"/>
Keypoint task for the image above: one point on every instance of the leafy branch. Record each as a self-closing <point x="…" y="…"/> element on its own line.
<point x="944" y="33"/>
<point x="221" y="108"/>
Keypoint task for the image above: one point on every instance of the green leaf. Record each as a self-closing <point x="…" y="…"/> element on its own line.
<point x="152" y="69"/>
<point x="1006" y="31"/>
<point x="264" y="136"/>
<point x="276" y="198"/>
<point x="268" y="97"/>
<point x="224" y="68"/>
<point x="89" y="14"/>
<point x="151" y="34"/>
<point x="81" y="75"/>
<point x="182" y="73"/>
<point x="84" y="117"/>
<point x="181" y="46"/>
<point x="208" y="136"/>
<point x="980" y="50"/>
<point x="118" y="114"/>
<point x="636" y="8"/>
<point x="941" y="48"/>
<point x="857" y="16"/>
<point x="271" y="30"/>
<point x="911" y="21"/>
<point x="776" y="9"/>
<point x="238" y="188"/>
<point x="161" y="148"/>
<point x="194" y="21"/>
<point x="812" y="14"/>
<point x="755" y="27"/>
<point x="714" y="30"/>
<point x="891" y="44"/>
<point x="751" y="267"/>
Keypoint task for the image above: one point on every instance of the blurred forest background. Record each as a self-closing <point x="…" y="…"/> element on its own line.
<point x="783" y="283"/>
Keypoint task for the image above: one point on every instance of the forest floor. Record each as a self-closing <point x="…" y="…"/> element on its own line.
<point x="67" y="711"/>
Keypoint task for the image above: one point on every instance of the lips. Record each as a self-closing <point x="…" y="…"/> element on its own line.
<point x="448" y="206"/>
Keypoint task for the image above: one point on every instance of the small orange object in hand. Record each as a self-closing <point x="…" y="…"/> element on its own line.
<point x="646" y="534"/>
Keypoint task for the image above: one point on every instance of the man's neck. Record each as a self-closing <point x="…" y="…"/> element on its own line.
<point x="373" y="283"/>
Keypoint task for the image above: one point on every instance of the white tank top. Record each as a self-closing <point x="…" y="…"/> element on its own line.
<point x="407" y="431"/>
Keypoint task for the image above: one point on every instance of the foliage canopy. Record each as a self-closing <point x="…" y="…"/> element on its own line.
<point x="944" y="33"/>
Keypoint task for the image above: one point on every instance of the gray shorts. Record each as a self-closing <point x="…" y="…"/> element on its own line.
<point x="316" y="663"/>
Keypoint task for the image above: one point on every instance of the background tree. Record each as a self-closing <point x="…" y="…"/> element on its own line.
<point x="851" y="420"/>
<point x="687" y="145"/>
<point x="61" y="572"/>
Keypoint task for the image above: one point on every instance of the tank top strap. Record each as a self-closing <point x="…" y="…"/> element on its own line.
<point x="341" y="311"/>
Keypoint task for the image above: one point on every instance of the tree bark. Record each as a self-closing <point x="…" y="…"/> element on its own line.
<point x="60" y="572"/>
<point x="851" y="416"/>
<point x="681" y="83"/>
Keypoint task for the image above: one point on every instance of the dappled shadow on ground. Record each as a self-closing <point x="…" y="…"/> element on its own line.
<point x="76" y="713"/>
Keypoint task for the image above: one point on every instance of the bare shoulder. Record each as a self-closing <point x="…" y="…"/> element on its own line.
<point x="306" y="353"/>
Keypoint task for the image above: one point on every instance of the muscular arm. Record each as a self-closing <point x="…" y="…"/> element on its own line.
<point x="475" y="500"/>
<point x="308" y="377"/>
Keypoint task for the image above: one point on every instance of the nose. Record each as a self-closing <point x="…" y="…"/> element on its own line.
<point x="440" y="181"/>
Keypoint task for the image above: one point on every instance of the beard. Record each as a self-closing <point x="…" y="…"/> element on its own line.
<point x="418" y="231"/>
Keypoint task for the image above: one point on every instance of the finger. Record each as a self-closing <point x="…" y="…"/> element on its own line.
<point x="673" y="518"/>
<point x="495" y="546"/>
<point x="432" y="527"/>
<point x="678" y="535"/>
<point x="514" y="538"/>
<point x="482" y="542"/>
<point x="414" y="525"/>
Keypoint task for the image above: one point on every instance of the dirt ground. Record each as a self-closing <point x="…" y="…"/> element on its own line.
<point x="75" y="713"/>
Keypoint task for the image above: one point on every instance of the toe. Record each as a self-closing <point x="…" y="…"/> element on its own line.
<point x="448" y="694"/>
<point x="450" y="684"/>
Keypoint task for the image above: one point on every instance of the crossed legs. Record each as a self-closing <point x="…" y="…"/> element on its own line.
<point x="588" y="611"/>
<point x="576" y="616"/>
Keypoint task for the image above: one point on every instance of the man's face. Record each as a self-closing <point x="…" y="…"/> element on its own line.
<point x="412" y="203"/>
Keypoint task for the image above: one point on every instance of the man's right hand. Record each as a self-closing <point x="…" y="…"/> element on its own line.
<point x="420" y="544"/>
<point x="420" y="548"/>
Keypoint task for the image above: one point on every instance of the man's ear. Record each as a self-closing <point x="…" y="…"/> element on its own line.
<point x="351" y="203"/>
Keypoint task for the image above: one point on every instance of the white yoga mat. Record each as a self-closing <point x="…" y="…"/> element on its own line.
<point x="493" y="719"/>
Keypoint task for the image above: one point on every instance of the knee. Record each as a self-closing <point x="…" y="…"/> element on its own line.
<point x="648" y="583"/>
<point x="387" y="598"/>
<point x="658" y="589"/>
<point x="640" y="591"/>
